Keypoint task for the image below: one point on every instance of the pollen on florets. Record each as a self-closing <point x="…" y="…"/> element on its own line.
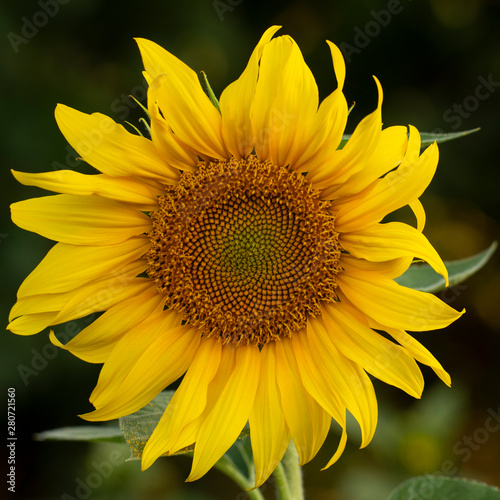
<point x="244" y="250"/>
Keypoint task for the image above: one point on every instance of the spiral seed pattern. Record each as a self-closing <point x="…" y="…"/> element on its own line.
<point x="244" y="250"/>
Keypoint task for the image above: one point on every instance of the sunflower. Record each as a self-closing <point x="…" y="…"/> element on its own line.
<point x="241" y="247"/>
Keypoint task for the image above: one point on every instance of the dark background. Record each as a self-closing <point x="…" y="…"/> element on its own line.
<point x="434" y="59"/>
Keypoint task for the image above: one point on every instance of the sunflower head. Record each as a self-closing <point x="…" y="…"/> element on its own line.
<point x="245" y="250"/>
<point x="240" y="248"/>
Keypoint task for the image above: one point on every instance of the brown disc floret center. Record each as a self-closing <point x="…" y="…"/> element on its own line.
<point x="244" y="250"/>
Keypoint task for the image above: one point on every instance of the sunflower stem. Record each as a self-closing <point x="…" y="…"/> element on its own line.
<point x="247" y="459"/>
<point x="281" y="481"/>
<point x="228" y="467"/>
<point x="293" y="473"/>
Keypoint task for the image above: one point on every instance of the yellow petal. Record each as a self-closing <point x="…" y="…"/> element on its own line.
<point x="184" y="105"/>
<point x="66" y="306"/>
<point x="158" y="61"/>
<point x="108" y="147"/>
<point x="386" y="155"/>
<point x="95" y="342"/>
<point x="102" y="295"/>
<point x="80" y="220"/>
<point x="236" y="100"/>
<point x="338" y="64"/>
<point x="415" y="348"/>
<point x="230" y="413"/>
<point x="293" y="114"/>
<point x="189" y="432"/>
<point x="191" y="115"/>
<point x="32" y="323"/>
<point x="307" y="421"/>
<point x="329" y="124"/>
<point x="172" y="150"/>
<point x="115" y="188"/>
<point x="66" y="267"/>
<point x="322" y="390"/>
<point x="395" y="190"/>
<point x="419" y="212"/>
<point x="50" y="302"/>
<point x="343" y="163"/>
<point x="393" y="240"/>
<point x="285" y="102"/>
<point x="222" y="426"/>
<point x="389" y="268"/>
<point x="393" y="305"/>
<point x="420" y="353"/>
<point x="340" y="450"/>
<point x="269" y="433"/>
<point x="147" y="359"/>
<point x="352" y="384"/>
<point x="187" y="404"/>
<point x="377" y="355"/>
<point x="36" y="304"/>
<point x="274" y="59"/>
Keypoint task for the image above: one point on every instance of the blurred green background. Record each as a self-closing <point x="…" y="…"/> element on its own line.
<point x="439" y="64"/>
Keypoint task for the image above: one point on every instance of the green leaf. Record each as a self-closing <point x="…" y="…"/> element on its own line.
<point x="83" y="433"/>
<point x="421" y="276"/>
<point x="443" y="488"/>
<point x="427" y="138"/>
<point x="138" y="427"/>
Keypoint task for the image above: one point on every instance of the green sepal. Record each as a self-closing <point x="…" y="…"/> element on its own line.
<point x="208" y="90"/>
<point x="421" y="276"/>
<point x="146" y="110"/>
<point x="444" y="488"/>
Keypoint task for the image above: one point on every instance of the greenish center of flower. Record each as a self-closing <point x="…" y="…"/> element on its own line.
<point x="244" y="250"/>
